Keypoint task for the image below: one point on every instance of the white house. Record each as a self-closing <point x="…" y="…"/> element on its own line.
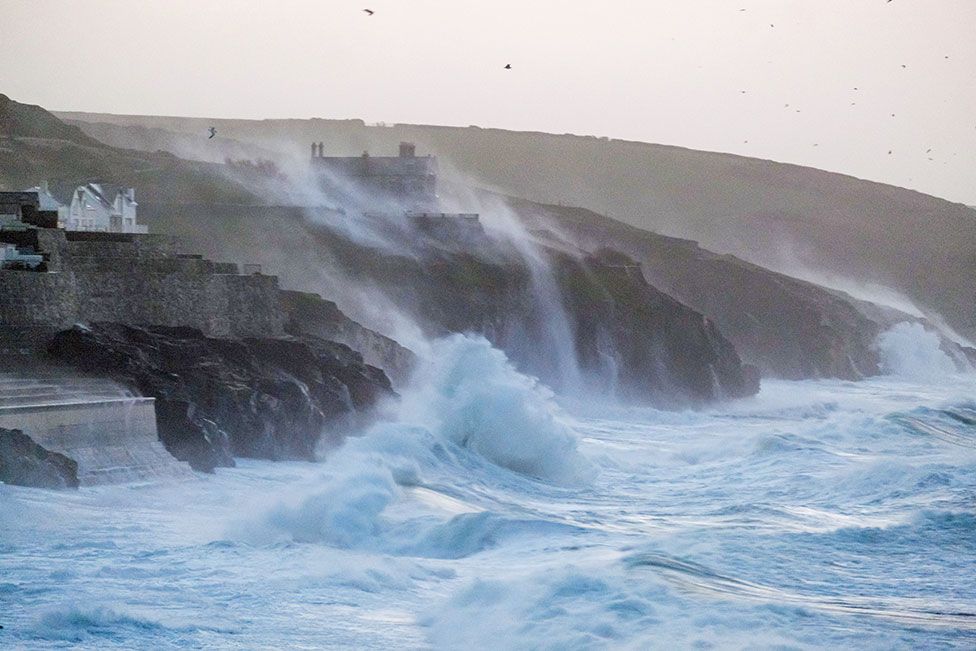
<point x="90" y="210"/>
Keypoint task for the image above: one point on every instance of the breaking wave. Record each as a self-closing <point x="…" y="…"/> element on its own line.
<point x="910" y="351"/>
<point x="468" y="410"/>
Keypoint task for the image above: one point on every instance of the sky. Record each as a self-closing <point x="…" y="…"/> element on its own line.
<point x="832" y="84"/>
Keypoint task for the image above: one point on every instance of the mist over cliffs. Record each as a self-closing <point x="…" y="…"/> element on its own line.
<point x="576" y="298"/>
<point x="804" y="222"/>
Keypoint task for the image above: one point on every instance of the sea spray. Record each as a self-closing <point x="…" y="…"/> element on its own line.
<point x="466" y="407"/>
<point x="542" y="342"/>
<point x="546" y="347"/>
<point x="910" y="351"/>
<point x="471" y="395"/>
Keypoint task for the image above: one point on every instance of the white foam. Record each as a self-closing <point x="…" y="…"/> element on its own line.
<point x="910" y="351"/>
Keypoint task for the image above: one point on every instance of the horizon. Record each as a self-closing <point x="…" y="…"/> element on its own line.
<point x="771" y="82"/>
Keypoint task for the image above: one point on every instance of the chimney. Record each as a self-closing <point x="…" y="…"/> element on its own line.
<point x="407" y="150"/>
<point x="44" y="186"/>
<point x="321" y="150"/>
<point x="313" y="150"/>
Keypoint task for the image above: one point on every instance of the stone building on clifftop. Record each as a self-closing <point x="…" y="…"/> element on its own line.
<point x="377" y="182"/>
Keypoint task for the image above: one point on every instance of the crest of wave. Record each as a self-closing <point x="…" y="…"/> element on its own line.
<point x="468" y="396"/>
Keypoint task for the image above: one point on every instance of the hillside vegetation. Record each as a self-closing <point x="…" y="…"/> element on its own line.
<point x="804" y="222"/>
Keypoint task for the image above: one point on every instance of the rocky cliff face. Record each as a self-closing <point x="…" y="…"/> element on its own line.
<point x="217" y="399"/>
<point x="478" y="284"/>
<point x="654" y="345"/>
<point x="25" y="463"/>
<point x="788" y="328"/>
<point x="628" y="337"/>
<point x="764" y="212"/>
<point x="310" y="314"/>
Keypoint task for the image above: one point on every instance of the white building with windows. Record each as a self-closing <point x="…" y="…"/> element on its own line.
<point x="91" y="210"/>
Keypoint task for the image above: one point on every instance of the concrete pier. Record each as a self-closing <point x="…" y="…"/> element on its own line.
<point x="110" y="434"/>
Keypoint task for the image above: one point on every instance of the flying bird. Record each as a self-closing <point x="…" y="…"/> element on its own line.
<point x="369" y="12"/>
<point x="213" y="132"/>
<point x="508" y="66"/>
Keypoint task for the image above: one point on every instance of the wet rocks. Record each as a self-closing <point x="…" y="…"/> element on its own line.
<point x="216" y="399"/>
<point x="25" y="463"/>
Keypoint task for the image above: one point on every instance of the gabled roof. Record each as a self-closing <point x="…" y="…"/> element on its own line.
<point x="104" y="193"/>
<point x="96" y="191"/>
<point x="65" y="192"/>
<point x="46" y="200"/>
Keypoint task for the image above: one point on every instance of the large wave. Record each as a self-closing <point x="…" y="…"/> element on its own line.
<point x="467" y="408"/>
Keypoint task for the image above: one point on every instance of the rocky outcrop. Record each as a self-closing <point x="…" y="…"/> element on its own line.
<point x="217" y="399"/>
<point x="628" y="337"/>
<point x="482" y="285"/>
<point x="25" y="463"/>
<point x="654" y="345"/>
<point x="310" y="314"/>
<point x="768" y="213"/>
<point x="787" y="327"/>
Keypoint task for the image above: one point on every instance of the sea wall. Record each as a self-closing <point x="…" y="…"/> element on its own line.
<point x="98" y="425"/>
<point x="135" y="279"/>
<point x="112" y="440"/>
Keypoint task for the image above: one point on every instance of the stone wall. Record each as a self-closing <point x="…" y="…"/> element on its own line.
<point x="134" y="279"/>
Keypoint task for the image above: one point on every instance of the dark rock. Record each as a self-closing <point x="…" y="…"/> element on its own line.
<point x="663" y="350"/>
<point x="665" y="353"/>
<point x="787" y="327"/>
<point x="310" y="314"/>
<point x="25" y="463"/>
<point x="217" y="399"/>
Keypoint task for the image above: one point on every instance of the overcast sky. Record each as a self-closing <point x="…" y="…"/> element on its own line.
<point x="666" y="71"/>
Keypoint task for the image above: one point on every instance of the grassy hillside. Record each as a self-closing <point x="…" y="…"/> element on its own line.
<point x="36" y="146"/>
<point x="797" y="220"/>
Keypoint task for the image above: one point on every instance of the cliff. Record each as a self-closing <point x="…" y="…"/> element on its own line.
<point x="455" y="281"/>
<point x="310" y="314"/>
<point x="216" y="399"/>
<point x="778" y="216"/>
<point x="787" y="327"/>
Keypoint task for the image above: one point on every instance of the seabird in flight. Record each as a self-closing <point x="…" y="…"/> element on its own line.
<point x="213" y="132"/>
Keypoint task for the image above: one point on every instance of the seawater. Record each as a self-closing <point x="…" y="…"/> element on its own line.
<point x="484" y="512"/>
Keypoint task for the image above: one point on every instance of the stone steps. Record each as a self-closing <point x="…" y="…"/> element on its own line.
<point x="108" y="432"/>
<point x="55" y="398"/>
<point x="20" y="390"/>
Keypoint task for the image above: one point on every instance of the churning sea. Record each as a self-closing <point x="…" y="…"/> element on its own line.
<point x="483" y="512"/>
